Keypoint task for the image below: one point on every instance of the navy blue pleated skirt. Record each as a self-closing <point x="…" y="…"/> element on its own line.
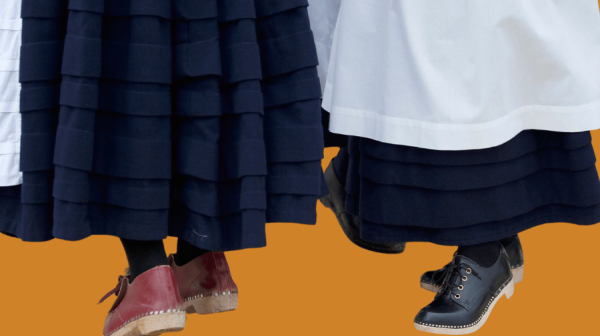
<point x="405" y="194"/>
<point x="198" y="119"/>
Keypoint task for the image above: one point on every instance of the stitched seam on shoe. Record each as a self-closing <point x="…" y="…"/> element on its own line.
<point x="475" y="298"/>
<point x="476" y="321"/>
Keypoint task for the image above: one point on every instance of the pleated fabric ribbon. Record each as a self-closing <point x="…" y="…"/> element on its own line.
<point x="469" y="197"/>
<point x="146" y="118"/>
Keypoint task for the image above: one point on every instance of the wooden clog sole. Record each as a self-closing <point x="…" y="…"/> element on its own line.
<point x="212" y="304"/>
<point x="153" y="325"/>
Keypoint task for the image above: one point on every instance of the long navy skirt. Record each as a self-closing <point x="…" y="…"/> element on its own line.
<point x="405" y="194"/>
<point x="145" y="118"/>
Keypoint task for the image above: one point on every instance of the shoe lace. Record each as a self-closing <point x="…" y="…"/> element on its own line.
<point x="451" y="272"/>
<point x="439" y="274"/>
<point x="116" y="289"/>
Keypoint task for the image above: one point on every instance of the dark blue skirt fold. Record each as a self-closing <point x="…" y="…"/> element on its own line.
<point x="405" y="194"/>
<point x="142" y="119"/>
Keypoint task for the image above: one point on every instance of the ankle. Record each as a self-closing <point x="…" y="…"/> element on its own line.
<point x="485" y="255"/>
<point x="187" y="252"/>
<point x="144" y="256"/>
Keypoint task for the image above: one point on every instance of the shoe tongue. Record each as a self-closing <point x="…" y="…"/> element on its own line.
<point x="459" y="259"/>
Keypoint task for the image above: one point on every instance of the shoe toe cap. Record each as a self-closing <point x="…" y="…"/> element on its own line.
<point x="445" y="315"/>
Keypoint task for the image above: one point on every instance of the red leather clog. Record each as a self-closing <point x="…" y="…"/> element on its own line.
<point x="150" y="305"/>
<point x="205" y="284"/>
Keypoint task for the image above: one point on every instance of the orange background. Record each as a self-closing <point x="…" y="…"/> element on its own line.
<point x="310" y="280"/>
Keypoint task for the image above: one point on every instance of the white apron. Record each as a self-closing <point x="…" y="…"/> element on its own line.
<point x="459" y="74"/>
<point x="10" y="118"/>
<point x="323" y="16"/>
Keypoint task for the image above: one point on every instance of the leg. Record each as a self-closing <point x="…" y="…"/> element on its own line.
<point x="485" y="255"/>
<point x="187" y="252"/>
<point x="144" y="255"/>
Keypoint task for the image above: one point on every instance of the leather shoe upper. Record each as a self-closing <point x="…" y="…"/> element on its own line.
<point x="468" y="292"/>
<point x="207" y="275"/>
<point x="153" y="292"/>
<point x="514" y="250"/>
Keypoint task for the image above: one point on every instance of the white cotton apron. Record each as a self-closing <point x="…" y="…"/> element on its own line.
<point x="323" y="16"/>
<point x="10" y="118"/>
<point x="459" y="74"/>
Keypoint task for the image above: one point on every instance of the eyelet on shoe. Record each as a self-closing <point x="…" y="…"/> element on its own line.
<point x="464" y="278"/>
<point x="461" y="287"/>
<point x="468" y="271"/>
<point x="457" y="296"/>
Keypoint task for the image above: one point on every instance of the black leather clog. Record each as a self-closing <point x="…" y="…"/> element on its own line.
<point x="467" y="296"/>
<point x="432" y="280"/>
<point x="336" y="201"/>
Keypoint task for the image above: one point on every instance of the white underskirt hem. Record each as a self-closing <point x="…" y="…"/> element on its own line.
<point x="399" y="131"/>
<point x="9" y="170"/>
<point x="10" y="89"/>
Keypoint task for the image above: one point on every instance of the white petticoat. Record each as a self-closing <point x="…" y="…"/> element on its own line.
<point x="10" y="118"/>
<point x="459" y="74"/>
